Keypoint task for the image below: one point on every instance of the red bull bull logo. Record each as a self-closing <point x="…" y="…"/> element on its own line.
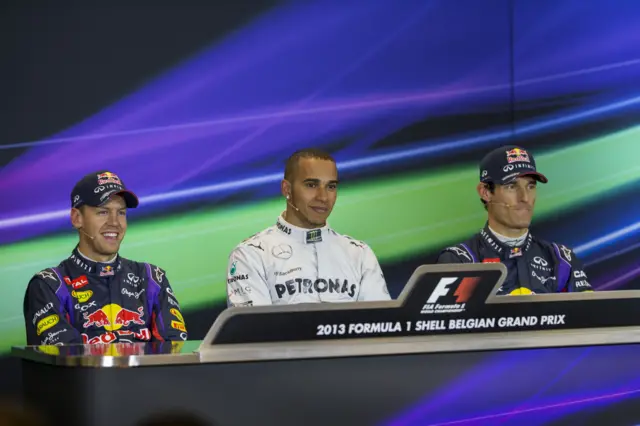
<point x="108" y="177"/>
<point x="517" y="154"/>
<point x="113" y="317"/>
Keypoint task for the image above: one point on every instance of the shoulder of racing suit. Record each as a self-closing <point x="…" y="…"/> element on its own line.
<point x="50" y="277"/>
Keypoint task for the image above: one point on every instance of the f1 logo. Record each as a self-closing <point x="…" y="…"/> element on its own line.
<point x="463" y="292"/>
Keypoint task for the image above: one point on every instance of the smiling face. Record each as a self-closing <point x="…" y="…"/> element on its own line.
<point x="101" y="229"/>
<point x="313" y="190"/>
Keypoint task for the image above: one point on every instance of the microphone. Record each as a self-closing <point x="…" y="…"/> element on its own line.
<point x="291" y="204"/>
<point x="503" y="204"/>
<point x="80" y="229"/>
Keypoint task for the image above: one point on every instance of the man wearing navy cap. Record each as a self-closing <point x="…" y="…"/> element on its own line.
<point x="95" y="295"/>
<point x="507" y="188"/>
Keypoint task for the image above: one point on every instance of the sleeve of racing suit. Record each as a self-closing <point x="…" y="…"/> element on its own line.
<point x="448" y="256"/>
<point x="246" y="278"/>
<point x="577" y="280"/>
<point x="167" y="322"/>
<point x="46" y="315"/>
<point x="372" y="285"/>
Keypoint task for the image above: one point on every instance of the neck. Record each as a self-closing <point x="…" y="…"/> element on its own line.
<point x="505" y="230"/>
<point x="295" y="218"/>
<point x="85" y="251"/>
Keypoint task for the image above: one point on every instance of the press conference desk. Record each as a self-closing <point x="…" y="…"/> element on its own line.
<point x="427" y="358"/>
<point x="425" y="383"/>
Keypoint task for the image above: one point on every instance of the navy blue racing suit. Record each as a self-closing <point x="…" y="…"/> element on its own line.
<point x="81" y="301"/>
<point x="536" y="267"/>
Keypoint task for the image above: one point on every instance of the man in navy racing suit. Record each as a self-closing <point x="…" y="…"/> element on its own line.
<point x="95" y="295"/>
<point x="507" y="188"/>
<point x="301" y="259"/>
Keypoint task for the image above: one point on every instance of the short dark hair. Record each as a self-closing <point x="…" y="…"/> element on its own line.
<point x="292" y="161"/>
<point x="491" y="186"/>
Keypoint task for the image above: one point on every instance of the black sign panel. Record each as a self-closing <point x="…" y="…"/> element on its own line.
<point x="438" y="299"/>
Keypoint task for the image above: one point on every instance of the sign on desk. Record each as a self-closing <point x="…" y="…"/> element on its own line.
<point x="437" y="300"/>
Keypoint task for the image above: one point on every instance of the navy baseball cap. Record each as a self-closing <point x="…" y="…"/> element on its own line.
<point x="503" y="165"/>
<point x="96" y="188"/>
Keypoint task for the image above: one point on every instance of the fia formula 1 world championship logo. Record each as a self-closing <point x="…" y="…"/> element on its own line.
<point x="454" y="303"/>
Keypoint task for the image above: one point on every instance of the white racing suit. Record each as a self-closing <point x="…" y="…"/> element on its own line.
<point x="285" y="264"/>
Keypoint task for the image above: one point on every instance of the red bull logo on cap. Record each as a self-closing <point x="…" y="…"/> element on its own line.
<point x="108" y="177"/>
<point x="517" y="154"/>
<point x="113" y="317"/>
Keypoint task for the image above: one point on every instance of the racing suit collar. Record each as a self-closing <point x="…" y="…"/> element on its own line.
<point x="101" y="269"/>
<point x="503" y="250"/>
<point x="303" y="235"/>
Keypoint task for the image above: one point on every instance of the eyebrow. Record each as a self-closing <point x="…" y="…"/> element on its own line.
<point x="313" y="180"/>
<point x="111" y="208"/>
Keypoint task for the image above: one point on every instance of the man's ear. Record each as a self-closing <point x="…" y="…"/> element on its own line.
<point x="76" y="218"/>
<point x="483" y="191"/>
<point x="285" y="188"/>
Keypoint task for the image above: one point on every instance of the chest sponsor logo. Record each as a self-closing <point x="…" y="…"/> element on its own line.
<point x="540" y="267"/>
<point x="82" y="296"/>
<point x="84" y="308"/>
<point x="107" y="271"/>
<point x="77" y="283"/>
<point x="113" y="317"/>
<point x="46" y="323"/>
<point x="99" y="344"/>
<point x="46" y="308"/>
<point x="543" y="280"/>
<point x="290" y="271"/>
<point x="540" y="261"/>
<point x="132" y="279"/>
<point x="134" y="294"/>
<point x="444" y="299"/>
<point x="311" y="286"/>
<point x="282" y="251"/>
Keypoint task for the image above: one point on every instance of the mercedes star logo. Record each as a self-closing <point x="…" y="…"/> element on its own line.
<point x="282" y="251"/>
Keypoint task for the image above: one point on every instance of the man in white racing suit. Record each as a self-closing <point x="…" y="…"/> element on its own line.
<point x="300" y="259"/>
